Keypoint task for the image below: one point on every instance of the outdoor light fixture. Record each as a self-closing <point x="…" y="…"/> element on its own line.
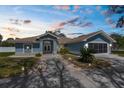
<point x="27" y="47"/>
<point x="86" y="45"/>
<point x="110" y="45"/>
<point x="23" y="68"/>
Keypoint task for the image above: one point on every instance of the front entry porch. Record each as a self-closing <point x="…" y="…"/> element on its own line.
<point x="47" y="46"/>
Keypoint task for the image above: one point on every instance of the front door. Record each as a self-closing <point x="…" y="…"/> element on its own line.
<point x="47" y="46"/>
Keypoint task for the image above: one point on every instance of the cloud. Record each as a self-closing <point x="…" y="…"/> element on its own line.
<point x="76" y="21"/>
<point x="113" y="26"/>
<point x="98" y="7"/>
<point x="13" y="35"/>
<point x="87" y="11"/>
<point x="60" y="25"/>
<point x="58" y="13"/>
<point x="19" y="21"/>
<point x="76" y="7"/>
<point x="87" y="24"/>
<point x="27" y="21"/>
<point x="10" y="29"/>
<point x="34" y="28"/>
<point x="107" y="13"/>
<point x="62" y="7"/>
<point x="109" y="20"/>
<point x="18" y="10"/>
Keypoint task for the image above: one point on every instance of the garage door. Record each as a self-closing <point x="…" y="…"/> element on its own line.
<point x="98" y="47"/>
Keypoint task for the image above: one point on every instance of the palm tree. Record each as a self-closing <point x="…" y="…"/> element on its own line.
<point x="86" y="55"/>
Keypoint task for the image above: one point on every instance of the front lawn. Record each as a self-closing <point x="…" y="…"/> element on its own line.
<point x="13" y="66"/>
<point x="120" y="53"/>
<point x="6" y="54"/>
<point x="98" y="63"/>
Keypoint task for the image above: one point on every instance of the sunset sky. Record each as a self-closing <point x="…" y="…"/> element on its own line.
<point x="25" y="21"/>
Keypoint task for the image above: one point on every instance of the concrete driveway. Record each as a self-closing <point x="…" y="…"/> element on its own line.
<point x="73" y="76"/>
<point x="108" y="77"/>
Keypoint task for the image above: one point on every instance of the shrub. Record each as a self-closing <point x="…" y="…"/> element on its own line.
<point x="7" y="44"/>
<point x="38" y="55"/>
<point x="86" y="55"/>
<point x="64" y="51"/>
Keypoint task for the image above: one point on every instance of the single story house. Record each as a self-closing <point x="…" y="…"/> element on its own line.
<point x="51" y="43"/>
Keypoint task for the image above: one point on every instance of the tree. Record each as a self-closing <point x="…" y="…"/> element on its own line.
<point x="7" y="44"/>
<point x="86" y="55"/>
<point x="120" y="22"/>
<point x="118" y="9"/>
<point x="10" y="40"/>
<point x="119" y="39"/>
<point x="1" y="38"/>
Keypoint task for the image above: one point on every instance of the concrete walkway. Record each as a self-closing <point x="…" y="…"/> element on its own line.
<point x="109" y="56"/>
<point x="74" y="71"/>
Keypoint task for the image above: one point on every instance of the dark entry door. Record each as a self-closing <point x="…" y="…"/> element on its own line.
<point x="47" y="46"/>
<point x="98" y="47"/>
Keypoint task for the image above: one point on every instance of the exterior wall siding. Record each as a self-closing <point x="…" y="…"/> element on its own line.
<point x="56" y="47"/>
<point x="36" y="48"/>
<point x="98" y="37"/>
<point x="19" y="47"/>
<point x="19" y="50"/>
<point x="75" y="47"/>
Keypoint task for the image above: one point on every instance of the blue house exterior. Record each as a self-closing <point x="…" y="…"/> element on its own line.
<point x="51" y="43"/>
<point x="46" y="43"/>
<point x="98" y="41"/>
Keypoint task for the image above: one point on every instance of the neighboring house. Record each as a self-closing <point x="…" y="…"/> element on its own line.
<point x="51" y="43"/>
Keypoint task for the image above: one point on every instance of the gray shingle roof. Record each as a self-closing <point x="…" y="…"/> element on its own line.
<point x="61" y="40"/>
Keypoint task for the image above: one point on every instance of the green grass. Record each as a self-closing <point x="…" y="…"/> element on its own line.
<point x="120" y="53"/>
<point x="6" y="54"/>
<point x="12" y="66"/>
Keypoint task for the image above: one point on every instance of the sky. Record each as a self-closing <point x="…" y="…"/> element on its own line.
<point x="72" y="20"/>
